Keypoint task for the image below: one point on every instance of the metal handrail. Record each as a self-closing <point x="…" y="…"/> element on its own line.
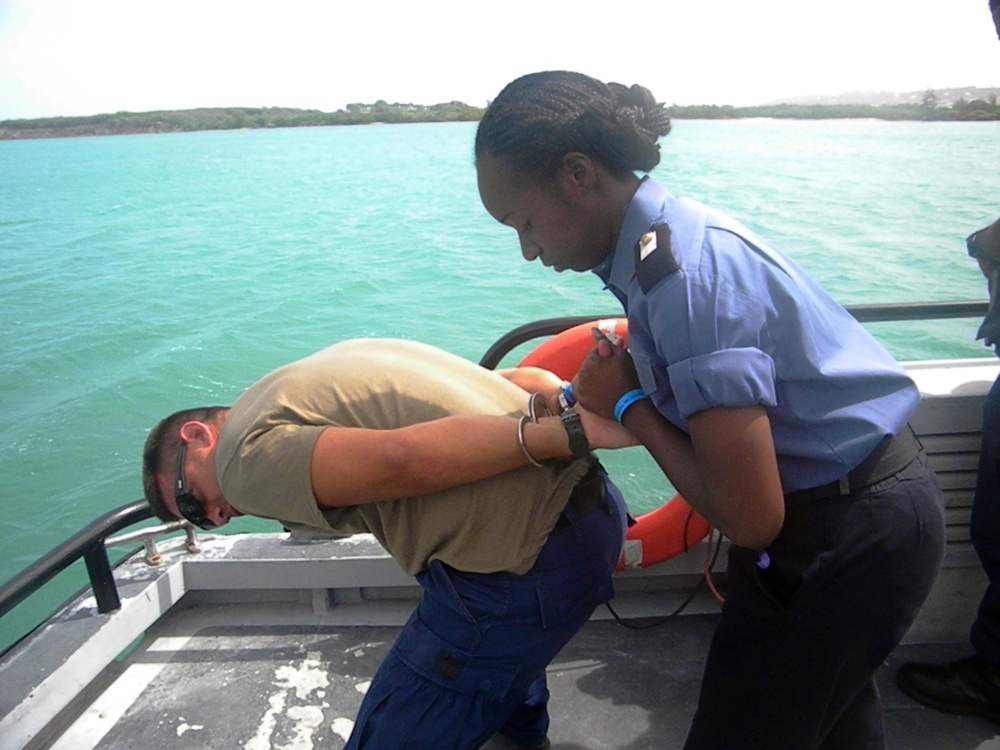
<point x="888" y="313"/>
<point x="87" y="543"/>
<point x="883" y="313"/>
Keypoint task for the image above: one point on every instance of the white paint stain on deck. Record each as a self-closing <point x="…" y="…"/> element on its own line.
<point x="183" y="728"/>
<point x="342" y="728"/>
<point x="302" y="681"/>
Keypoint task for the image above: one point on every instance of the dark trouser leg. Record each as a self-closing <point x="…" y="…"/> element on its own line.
<point x="472" y="653"/>
<point x="792" y="660"/>
<point x="972" y="685"/>
<point x="984" y="528"/>
<point x="530" y="720"/>
<point x="860" y="725"/>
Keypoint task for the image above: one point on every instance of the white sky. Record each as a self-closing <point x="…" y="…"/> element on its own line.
<point x="80" y="57"/>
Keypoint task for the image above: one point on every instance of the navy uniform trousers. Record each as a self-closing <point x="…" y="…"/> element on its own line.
<point x="471" y="659"/>
<point x="792" y="661"/>
<point x="984" y="528"/>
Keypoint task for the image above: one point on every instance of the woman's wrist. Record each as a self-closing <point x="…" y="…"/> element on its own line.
<point x="627" y="400"/>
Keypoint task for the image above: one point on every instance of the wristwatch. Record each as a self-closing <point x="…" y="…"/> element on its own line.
<point x="578" y="444"/>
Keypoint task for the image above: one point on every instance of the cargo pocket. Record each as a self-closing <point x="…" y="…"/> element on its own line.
<point x="451" y="668"/>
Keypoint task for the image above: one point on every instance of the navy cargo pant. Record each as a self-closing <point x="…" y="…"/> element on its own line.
<point x="792" y="660"/>
<point x="984" y="528"/>
<point x="471" y="659"/>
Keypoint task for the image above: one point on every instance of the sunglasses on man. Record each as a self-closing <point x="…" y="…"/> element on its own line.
<point x="187" y="503"/>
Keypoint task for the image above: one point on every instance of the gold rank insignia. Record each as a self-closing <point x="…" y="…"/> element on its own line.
<point x="654" y="257"/>
<point x="647" y="244"/>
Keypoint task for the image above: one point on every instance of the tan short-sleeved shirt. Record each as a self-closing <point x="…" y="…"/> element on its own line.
<point x="265" y="450"/>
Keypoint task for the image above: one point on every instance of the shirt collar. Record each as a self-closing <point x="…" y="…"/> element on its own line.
<point x="646" y="206"/>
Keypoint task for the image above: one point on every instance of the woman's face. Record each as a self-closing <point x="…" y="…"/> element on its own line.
<point x="563" y="224"/>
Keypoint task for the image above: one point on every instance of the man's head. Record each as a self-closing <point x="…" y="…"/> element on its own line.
<point x="178" y="468"/>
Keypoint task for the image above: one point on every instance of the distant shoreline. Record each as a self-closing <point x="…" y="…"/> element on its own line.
<point x="241" y="118"/>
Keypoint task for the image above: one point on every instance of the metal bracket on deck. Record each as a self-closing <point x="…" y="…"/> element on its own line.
<point x="148" y="538"/>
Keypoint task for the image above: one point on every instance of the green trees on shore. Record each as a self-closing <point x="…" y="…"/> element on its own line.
<point x="237" y="118"/>
<point x="928" y="109"/>
<point x="234" y="118"/>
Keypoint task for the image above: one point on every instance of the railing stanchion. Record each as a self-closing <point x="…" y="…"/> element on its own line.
<point x="102" y="579"/>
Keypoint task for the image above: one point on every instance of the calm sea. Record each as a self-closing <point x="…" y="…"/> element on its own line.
<point x="142" y="274"/>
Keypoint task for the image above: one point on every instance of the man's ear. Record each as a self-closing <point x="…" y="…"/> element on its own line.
<point x="578" y="171"/>
<point x="197" y="434"/>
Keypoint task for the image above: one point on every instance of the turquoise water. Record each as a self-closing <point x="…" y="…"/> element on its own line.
<point x="141" y="274"/>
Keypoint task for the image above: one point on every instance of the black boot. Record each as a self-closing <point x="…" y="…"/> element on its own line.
<point x="970" y="686"/>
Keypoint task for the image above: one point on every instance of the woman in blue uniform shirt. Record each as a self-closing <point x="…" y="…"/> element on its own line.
<point x="768" y="406"/>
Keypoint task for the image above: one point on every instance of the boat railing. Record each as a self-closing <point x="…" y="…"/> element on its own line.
<point x="91" y="542"/>
<point x="882" y="313"/>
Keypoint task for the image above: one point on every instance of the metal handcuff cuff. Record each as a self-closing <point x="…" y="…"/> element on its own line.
<point x="537" y="406"/>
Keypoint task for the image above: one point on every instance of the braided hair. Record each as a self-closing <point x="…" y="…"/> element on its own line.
<point x="539" y="118"/>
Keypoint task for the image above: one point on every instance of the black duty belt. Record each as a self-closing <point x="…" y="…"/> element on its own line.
<point x="889" y="457"/>
<point x="587" y="495"/>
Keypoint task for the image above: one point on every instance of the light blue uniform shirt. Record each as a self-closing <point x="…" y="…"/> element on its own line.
<point x="733" y="322"/>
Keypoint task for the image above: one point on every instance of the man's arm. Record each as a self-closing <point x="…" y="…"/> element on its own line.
<point x="536" y="380"/>
<point x="533" y="379"/>
<point x="352" y="465"/>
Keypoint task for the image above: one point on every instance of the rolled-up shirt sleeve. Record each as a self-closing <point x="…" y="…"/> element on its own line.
<point x="732" y="377"/>
<point x="712" y="341"/>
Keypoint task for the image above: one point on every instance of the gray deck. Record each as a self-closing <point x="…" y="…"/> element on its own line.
<point x="219" y="677"/>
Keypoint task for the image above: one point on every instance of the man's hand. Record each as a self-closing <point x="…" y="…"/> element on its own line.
<point x="536" y="380"/>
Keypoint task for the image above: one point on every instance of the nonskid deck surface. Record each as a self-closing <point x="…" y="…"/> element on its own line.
<point x="213" y="678"/>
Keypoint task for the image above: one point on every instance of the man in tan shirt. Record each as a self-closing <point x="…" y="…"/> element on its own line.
<point x="504" y="517"/>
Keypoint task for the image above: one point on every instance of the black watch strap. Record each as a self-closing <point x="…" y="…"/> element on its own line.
<point x="578" y="444"/>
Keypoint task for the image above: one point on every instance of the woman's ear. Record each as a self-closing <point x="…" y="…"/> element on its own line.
<point x="578" y="172"/>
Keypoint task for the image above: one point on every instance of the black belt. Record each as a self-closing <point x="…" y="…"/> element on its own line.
<point x="587" y="495"/>
<point x="889" y="457"/>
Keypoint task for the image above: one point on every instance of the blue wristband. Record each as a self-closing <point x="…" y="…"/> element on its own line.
<point x="627" y="400"/>
<point x="566" y="396"/>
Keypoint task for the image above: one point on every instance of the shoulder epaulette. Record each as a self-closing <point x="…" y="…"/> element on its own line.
<point x="653" y="257"/>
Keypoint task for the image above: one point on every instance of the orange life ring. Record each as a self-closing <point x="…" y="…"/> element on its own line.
<point x="564" y="353"/>
<point x="662" y="534"/>
<point x="656" y="536"/>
